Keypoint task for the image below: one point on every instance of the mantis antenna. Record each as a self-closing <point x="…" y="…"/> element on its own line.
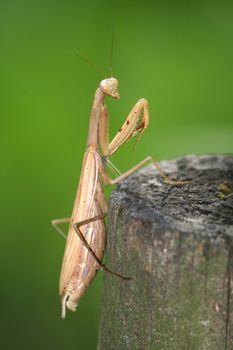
<point x="91" y="64"/>
<point x="111" y="52"/>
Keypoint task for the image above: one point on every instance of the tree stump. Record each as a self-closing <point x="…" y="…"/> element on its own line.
<point x="176" y="245"/>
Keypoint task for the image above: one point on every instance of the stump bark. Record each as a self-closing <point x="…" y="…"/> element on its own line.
<point x="176" y="244"/>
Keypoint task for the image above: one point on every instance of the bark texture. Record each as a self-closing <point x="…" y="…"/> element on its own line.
<point x="176" y="243"/>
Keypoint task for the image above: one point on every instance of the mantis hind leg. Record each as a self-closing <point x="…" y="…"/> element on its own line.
<point x="77" y="226"/>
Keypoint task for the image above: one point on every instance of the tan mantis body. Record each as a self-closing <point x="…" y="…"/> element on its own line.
<point x="86" y="238"/>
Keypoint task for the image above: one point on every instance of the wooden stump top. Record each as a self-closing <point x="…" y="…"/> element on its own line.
<point x="176" y="243"/>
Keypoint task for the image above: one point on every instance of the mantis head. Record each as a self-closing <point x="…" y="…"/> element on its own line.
<point x="109" y="87"/>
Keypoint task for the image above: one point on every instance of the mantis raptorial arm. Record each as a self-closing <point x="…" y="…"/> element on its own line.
<point x="135" y="124"/>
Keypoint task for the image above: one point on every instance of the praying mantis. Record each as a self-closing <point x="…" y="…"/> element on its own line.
<point x="85" y="242"/>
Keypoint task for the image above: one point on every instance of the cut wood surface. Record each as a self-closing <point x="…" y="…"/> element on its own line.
<point x="176" y="243"/>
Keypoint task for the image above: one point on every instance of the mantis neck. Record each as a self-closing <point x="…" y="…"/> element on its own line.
<point x="92" y="140"/>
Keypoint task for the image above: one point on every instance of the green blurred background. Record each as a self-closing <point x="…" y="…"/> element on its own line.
<point x="177" y="54"/>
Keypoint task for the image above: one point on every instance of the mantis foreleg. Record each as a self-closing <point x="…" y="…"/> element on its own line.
<point x="135" y="124"/>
